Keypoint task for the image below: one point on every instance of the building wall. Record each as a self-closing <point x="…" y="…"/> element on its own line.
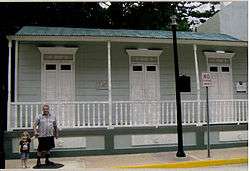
<point x="29" y="74"/>
<point x="91" y="68"/>
<point x="212" y="25"/>
<point x="231" y="20"/>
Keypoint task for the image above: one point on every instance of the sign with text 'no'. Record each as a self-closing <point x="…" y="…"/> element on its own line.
<point x="206" y="79"/>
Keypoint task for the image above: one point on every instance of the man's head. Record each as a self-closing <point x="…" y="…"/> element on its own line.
<point x="46" y="109"/>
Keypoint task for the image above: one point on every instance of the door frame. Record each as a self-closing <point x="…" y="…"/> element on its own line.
<point x="220" y="55"/>
<point x="143" y="53"/>
<point x="54" y="51"/>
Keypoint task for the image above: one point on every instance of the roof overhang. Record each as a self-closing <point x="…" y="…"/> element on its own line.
<point x="126" y="39"/>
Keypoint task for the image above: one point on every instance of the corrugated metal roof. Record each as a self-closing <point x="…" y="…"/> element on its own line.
<point x="156" y="34"/>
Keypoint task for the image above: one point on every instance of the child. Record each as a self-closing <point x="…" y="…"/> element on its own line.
<point x="25" y="148"/>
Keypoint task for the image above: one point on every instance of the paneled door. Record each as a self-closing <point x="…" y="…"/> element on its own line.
<point x="221" y="93"/>
<point x="145" y="90"/>
<point x="58" y="86"/>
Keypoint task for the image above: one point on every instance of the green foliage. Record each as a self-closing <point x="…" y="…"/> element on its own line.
<point x="118" y="15"/>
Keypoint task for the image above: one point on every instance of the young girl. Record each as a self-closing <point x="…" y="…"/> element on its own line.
<point x="25" y="148"/>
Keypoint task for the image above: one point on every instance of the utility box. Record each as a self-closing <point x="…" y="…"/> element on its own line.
<point x="184" y="83"/>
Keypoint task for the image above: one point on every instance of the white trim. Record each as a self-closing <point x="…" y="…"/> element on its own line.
<point x="197" y="81"/>
<point x="109" y="84"/>
<point x="16" y="69"/>
<point x="9" y="86"/>
<point x="218" y="55"/>
<point x="58" y="50"/>
<point x="144" y="52"/>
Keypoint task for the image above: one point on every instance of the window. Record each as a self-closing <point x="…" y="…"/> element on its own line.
<point x="224" y="69"/>
<point x="137" y="68"/>
<point x="213" y="69"/>
<point x="65" y="67"/>
<point x="151" y="68"/>
<point x="50" y="67"/>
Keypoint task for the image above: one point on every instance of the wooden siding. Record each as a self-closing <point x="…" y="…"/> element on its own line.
<point x="29" y="73"/>
<point x="91" y="66"/>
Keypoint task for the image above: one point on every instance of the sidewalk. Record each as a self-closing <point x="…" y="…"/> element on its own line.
<point x="112" y="161"/>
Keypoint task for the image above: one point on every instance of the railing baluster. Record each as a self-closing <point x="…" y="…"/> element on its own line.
<point x="204" y="111"/>
<point x="235" y="112"/>
<point x="243" y="111"/>
<point x="88" y="113"/>
<point x="246" y="111"/>
<point x="94" y="117"/>
<point x="193" y="111"/>
<point x="189" y="112"/>
<point x="15" y="115"/>
<point x="26" y="116"/>
<point x="172" y="114"/>
<point x="184" y="113"/>
<point x="83" y="115"/>
<point x="78" y="114"/>
<point x="31" y="115"/>
<point x="126" y="113"/>
<point x="121" y="114"/>
<point x="98" y="115"/>
<point x="167" y="113"/>
<point x="116" y="114"/>
<point x="162" y="113"/>
<point x="240" y="111"/>
<point x="63" y="115"/>
<point x="21" y="116"/>
<point x="130" y="114"/>
<point x="104" y="114"/>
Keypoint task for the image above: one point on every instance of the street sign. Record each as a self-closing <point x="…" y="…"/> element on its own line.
<point x="206" y="79"/>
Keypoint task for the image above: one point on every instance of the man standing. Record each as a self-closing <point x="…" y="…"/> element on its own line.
<point x="47" y="130"/>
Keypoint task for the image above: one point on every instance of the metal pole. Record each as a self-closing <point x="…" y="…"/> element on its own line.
<point x="208" y="127"/>
<point x="180" y="152"/>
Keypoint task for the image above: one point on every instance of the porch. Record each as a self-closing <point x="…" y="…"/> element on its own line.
<point x="104" y="114"/>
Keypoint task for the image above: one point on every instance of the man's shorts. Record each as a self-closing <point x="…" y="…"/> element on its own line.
<point x="24" y="155"/>
<point x="45" y="143"/>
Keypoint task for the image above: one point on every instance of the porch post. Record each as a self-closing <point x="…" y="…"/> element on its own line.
<point x="16" y="68"/>
<point x="9" y="85"/>
<point x="109" y="85"/>
<point x="197" y="84"/>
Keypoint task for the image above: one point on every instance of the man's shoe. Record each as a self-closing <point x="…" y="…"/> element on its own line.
<point x="49" y="163"/>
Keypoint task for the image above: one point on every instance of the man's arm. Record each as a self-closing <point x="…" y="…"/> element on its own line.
<point x="34" y="129"/>
<point x="56" y="132"/>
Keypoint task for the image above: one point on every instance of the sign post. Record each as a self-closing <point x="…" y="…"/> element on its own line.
<point x="207" y="82"/>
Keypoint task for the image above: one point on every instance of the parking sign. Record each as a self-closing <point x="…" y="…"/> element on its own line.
<point x="206" y="79"/>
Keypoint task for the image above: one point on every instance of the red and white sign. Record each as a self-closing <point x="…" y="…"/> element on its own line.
<point x="206" y="79"/>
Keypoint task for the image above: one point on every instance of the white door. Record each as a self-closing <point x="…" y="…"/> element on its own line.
<point x="222" y="92"/>
<point x="58" y="86"/>
<point x="144" y="87"/>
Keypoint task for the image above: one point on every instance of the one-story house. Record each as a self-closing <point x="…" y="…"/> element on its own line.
<point x="113" y="91"/>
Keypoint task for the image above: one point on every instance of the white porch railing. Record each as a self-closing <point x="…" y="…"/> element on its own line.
<point x="128" y="113"/>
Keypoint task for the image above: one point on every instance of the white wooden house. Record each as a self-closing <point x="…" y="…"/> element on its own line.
<point x="103" y="79"/>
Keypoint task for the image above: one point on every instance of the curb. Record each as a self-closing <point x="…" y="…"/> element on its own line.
<point x="191" y="164"/>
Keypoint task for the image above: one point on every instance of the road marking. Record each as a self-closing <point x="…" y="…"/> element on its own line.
<point x="191" y="164"/>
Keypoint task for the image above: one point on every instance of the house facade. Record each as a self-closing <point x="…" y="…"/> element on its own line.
<point x="113" y="91"/>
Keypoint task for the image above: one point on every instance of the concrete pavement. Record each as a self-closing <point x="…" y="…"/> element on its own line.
<point x="106" y="162"/>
